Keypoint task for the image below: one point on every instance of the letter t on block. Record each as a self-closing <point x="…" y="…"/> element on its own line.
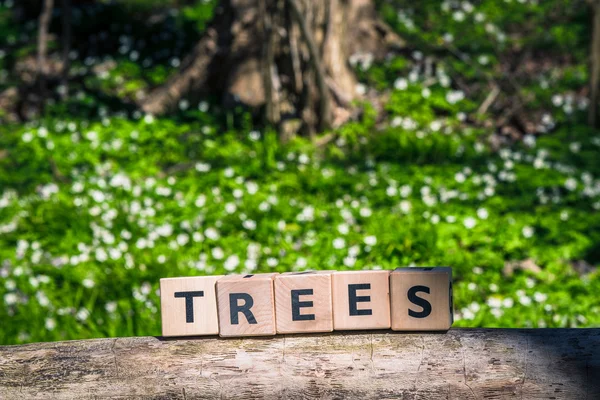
<point x="189" y="306"/>
<point x="246" y="305"/>
<point x="421" y="299"/>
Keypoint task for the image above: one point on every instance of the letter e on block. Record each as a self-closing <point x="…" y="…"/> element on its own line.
<point x="303" y="302"/>
<point x="188" y="306"/>
<point x="246" y="305"/>
<point x="361" y="300"/>
<point x="421" y="299"/>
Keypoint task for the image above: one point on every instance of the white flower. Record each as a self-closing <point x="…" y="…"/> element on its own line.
<point x="250" y="264"/>
<point x="468" y="314"/>
<point x="370" y="240"/>
<point x="161" y="259"/>
<point x="391" y="191"/>
<point x="272" y="262"/>
<point x="458" y="16"/>
<point x="254" y="135"/>
<point x="232" y="262"/>
<point x="182" y="239"/>
<point x="211" y="233"/>
<point x="251" y="187"/>
<point x="165" y="230"/>
<point x="91" y="136"/>
<point x="249" y="224"/>
<point x="343" y="229"/>
<point x="469" y="222"/>
<point x="494" y="302"/>
<point x="217" y="253"/>
<point x="508" y="302"/>
<point x="571" y="184"/>
<point x="405" y="206"/>
<point x="365" y="212"/>
<point x="454" y="96"/>
<point x="400" y="83"/>
<point x="10" y="299"/>
<point x="525" y="300"/>
<point x="405" y="191"/>
<point x="527" y="231"/>
<point x="202" y="167"/>
<point x="540" y="297"/>
<point x="557" y="100"/>
<point x="101" y="255"/>
<point x="472" y="286"/>
<point x="230" y="208"/>
<point x="339" y="243"/>
<point x="575" y="147"/>
<point x="301" y="262"/>
<point x="529" y="140"/>
<point x="50" y="324"/>
<point x="148" y="118"/>
<point x="111" y="307"/>
<point x="349" y="261"/>
<point x="88" y="283"/>
<point x="482" y="213"/>
<point x="82" y="314"/>
<point x="460" y="177"/>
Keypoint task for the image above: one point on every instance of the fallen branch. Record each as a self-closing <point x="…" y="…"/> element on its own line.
<point x="459" y="364"/>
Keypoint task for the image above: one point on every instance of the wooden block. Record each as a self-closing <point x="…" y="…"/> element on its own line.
<point x="246" y="305"/>
<point x="188" y="306"/>
<point x="303" y="302"/>
<point x="361" y="300"/>
<point x="421" y="299"/>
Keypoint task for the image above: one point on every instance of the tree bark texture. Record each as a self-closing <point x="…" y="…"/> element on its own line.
<point x="288" y="56"/>
<point x="595" y="66"/>
<point x="458" y="364"/>
<point x="42" y="48"/>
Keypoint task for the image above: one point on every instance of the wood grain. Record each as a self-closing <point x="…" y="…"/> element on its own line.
<point x="459" y="364"/>
<point x="174" y="309"/>
<point x="315" y="302"/>
<point x="258" y="298"/>
<point x="371" y="292"/>
<point x="433" y="288"/>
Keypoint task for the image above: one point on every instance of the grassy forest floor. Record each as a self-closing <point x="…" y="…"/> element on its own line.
<point x="481" y="160"/>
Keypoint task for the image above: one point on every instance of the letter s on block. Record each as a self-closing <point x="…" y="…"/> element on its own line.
<point x="413" y="298"/>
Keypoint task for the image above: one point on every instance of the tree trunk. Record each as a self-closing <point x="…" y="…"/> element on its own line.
<point x="42" y="67"/>
<point x="595" y="66"/>
<point x="286" y="57"/>
<point x="66" y="45"/>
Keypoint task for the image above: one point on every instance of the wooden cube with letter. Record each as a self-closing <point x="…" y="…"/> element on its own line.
<point x="303" y="302"/>
<point x="246" y="305"/>
<point x="361" y="300"/>
<point x="421" y="299"/>
<point x="188" y="306"/>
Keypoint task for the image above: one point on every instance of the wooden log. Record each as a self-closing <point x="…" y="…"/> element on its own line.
<point x="458" y="364"/>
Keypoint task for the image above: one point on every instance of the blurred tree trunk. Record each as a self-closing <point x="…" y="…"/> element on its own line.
<point x="42" y="65"/>
<point x="288" y="58"/>
<point x="595" y="65"/>
<point x="66" y="45"/>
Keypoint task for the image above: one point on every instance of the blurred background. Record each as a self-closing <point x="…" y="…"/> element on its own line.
<point x="142" y="139"/>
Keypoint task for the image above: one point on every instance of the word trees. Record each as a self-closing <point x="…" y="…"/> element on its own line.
<point x="406" y="299"/>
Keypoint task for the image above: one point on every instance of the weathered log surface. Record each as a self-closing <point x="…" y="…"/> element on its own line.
<point x="459" y="364"/>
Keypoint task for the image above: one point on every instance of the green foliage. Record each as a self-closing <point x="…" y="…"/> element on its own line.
<point x="98" y="201"/>
<point x="83" y="258"/>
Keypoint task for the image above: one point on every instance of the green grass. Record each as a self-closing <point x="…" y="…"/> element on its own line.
<point x="83" y="259"/>
<point x="90" y="220"/>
